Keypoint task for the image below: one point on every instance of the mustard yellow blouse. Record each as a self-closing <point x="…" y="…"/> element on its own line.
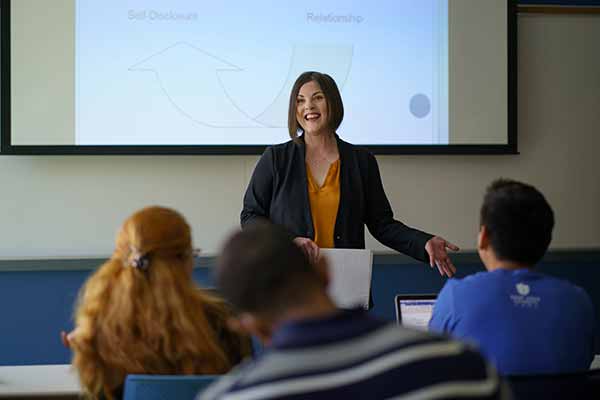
<point x="324" y="203"/>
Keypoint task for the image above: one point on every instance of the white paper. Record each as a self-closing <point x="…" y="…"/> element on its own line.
<point x="350" y="276"/>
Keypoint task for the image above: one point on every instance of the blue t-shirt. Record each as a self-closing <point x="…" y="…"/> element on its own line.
<point x="523" y="321"/>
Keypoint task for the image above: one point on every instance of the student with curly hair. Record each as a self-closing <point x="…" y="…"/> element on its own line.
<point x="142" y="313"/>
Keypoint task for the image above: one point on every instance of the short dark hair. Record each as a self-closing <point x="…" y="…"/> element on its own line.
<point x="261" y="270"/>
<point x="519" y="221"/>
<point x="332" y="95"/>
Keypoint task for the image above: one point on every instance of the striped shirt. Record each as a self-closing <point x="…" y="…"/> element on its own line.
<point x="354" y="356"/>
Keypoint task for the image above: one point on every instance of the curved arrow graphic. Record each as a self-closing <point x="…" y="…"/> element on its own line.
<point x="188" y="76"/>
<point x="195" y="82"/>
<point x="334" y="60"/>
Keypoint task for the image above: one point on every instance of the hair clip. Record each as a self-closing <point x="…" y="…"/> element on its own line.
<point x="138" y="260"/>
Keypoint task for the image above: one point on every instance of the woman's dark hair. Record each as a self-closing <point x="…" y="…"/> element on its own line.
<point x="332" y="95"/>
<point x="519" y="221"/>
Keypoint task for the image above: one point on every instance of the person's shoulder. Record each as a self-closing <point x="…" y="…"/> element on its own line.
<point x="356" y="150"/>
<point x="284" y="146"/>
<point x="452" y="359"/>
<point x="469" y="281"/>
<point x="567" y="288"/>
<point x="276" y="154"/>
<point x="400" y="338"/>
<point x="467" y="287"/>
<point x="392" y="338"/>
<point x="488" y="279"/>
<point x="457" y="361"/>
<point x="363" y="156"/>
<point x="227" y="382"/>
<point x="237" y="346"/>
<point x="282" y="151"/>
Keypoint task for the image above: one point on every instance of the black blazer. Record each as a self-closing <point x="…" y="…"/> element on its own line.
<point x="278" y="191"/>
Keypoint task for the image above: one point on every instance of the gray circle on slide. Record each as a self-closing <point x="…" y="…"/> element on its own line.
<point x="420" y="105"/>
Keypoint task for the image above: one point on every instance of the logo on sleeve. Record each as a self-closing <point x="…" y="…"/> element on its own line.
<point x="523" y="298"/>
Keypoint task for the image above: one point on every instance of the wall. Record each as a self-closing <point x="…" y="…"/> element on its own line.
<point x="71" y="206"/>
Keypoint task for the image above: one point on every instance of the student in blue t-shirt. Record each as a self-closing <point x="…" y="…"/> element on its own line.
<point x="522" y="320"/>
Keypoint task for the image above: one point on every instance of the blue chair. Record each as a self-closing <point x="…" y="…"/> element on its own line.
<point x="257" y="347"/>
<point x="164" y="387"/>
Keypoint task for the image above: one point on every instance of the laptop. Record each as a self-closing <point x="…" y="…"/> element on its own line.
<point x="414" y="310"/>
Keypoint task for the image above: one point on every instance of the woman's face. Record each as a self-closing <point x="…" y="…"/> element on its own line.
<point x="311" y="109"/>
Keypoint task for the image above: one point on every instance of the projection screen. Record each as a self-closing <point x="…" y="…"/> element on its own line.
<point x="189" y="77"/>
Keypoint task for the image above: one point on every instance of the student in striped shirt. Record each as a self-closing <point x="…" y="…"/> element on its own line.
<point x="316" y="351"/>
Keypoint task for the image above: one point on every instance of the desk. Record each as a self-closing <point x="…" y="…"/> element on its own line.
<point x="39" y="381"/>
<point x="60" y="381"/>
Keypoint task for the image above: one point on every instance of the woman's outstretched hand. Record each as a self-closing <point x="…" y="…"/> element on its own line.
<point x="437" y="247"/>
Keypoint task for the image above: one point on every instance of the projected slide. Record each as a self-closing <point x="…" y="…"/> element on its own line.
<point x="185" y="72"/>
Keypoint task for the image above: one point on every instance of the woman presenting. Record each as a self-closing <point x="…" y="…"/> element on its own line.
<point x="325" y="190"/>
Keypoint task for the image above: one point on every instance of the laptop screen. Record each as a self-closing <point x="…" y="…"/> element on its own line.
<point x="415" y="311"/>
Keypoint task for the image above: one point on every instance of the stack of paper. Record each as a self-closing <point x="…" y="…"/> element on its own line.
<point x="350" y="273"/>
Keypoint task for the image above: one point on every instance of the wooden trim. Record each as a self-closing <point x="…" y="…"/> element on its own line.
<point x="546" y="9"/>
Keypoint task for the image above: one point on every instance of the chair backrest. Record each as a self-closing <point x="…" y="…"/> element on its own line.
<point x="582" y="385"/>
<point x="163" y="387"/>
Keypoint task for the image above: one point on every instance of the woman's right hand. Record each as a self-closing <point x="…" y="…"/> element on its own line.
<point x="67" y="338"/>
<point x="310" y="248"/>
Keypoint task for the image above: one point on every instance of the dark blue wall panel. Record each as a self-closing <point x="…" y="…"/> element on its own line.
<point x="36" y="305"/>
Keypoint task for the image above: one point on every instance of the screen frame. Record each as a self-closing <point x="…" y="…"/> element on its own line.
<point x="399" y="297"/>
<point x="7" y="148"/>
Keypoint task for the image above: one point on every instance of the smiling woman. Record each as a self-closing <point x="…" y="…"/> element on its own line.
<point x="325" y="190"/>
